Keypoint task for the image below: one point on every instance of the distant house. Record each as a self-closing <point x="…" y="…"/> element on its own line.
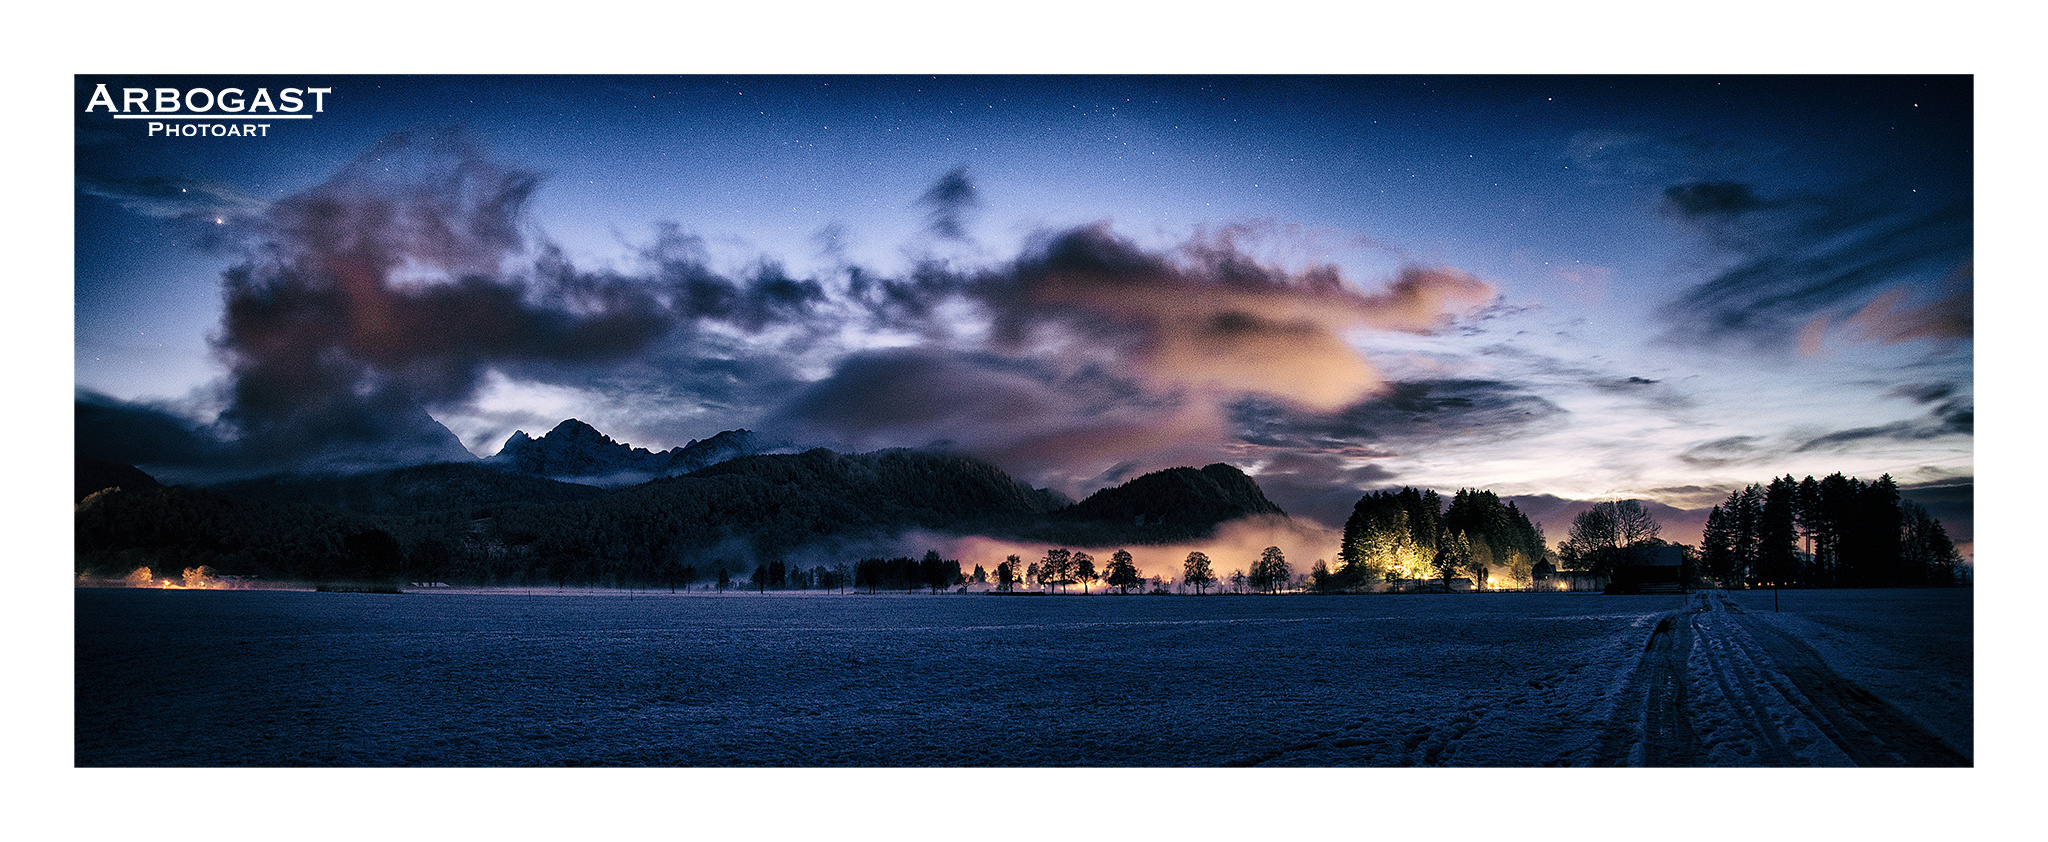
<point x="1662" y="572"/>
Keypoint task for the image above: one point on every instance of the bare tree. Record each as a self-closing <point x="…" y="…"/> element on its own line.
<point x="1196" y="571"/>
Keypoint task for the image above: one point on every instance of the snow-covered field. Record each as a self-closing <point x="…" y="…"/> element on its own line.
<point x="547" y="678"/>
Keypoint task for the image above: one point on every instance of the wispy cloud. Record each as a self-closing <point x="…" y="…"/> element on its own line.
<point x="174" y="198"/>
<point x="1893" y="267"/>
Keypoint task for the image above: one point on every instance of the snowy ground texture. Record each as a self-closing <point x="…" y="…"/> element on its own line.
<point x="547" y="678"/>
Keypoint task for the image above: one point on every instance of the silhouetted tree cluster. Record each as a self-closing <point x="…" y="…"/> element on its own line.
<point x="1610" y="534"/>
<point x="1270" y="572"/>
<point x="1409" y="534"/>
<point x="1856" y="534"/>
<point x="1197" y="571"/>
<point x="1122" y="574"/>
<point x="903" y="574"/>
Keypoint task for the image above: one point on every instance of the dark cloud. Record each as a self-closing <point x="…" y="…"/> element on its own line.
<point x="1897" y="431"/>
<point x="1054" y="425"/>
<point x="1891" y="263"/>
<point x="949" y="203"/>
<point x="1406" y="413"/>
<point x="1948" y="415"/>
<point x="1655" y="393"/>
<point x="1952" y="412"/>
<point x="1722" y="452"/>
<point x="1922" y="392"/>
<point x="390" y="288"/>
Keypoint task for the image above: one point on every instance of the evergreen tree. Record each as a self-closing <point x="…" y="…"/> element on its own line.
<point x="1717" y="546"/>
<point x="1777" y="534"/>
<point x="1748" y="508"/>
<point x="1930" y="557"/>
<point x="1887" y="529"/>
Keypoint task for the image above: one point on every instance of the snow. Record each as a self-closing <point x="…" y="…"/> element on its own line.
<point x="574" y="678"/>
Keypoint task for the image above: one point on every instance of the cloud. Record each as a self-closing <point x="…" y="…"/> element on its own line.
<point x="1408" y="413"/>
<point x="1100" y="356"/>
<point x="948" y="203"/>
<point x="1057" y="425"/>
<point x="1891" y="268"/>
<point x="412" y="282"/>
<point x="1948" y="415"/>
<point x="174" y="198"/>
<point x="390" y="288"/>
<point x="1212" y="319"/>
<point x="1722" y="452"/>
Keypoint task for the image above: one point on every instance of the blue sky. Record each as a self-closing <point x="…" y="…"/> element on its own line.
<point x="1588" y="287"/>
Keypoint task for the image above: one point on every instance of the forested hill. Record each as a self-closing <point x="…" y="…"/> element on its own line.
<point x="92" y="475"/>
<point x="421" y="489"/>
<point x="478" y="524"/>
<point x="1173" y="504"/>
<point x="772" y="505"/>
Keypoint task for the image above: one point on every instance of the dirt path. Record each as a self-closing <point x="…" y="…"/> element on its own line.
<point x="1718" y="687"/>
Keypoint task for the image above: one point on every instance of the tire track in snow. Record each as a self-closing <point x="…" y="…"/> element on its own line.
<point x="1770" y="698"/>
<point x="1652" y="726"/>
<point x="1866" y="728"/>
<point x="1726" y="661"/>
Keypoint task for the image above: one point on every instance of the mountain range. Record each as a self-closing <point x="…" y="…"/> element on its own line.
<point x="514" y="517"/>
<point x="575" y="451"/>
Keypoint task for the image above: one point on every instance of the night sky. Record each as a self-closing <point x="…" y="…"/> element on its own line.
<point x="1557" y="288"/>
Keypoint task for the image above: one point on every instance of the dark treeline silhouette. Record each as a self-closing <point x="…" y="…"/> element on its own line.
<point x="932" y="572"/>
<point x="1835" y="532"/>
<point x="475" y="525"/>
<point x="1411" y="535"/>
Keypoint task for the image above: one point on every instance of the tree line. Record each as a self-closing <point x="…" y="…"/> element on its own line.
<point x="1834" y="532"/>
<point x="1408" y="534"/>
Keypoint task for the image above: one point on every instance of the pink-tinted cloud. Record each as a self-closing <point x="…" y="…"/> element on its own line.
<point x="1220" y="321"/>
